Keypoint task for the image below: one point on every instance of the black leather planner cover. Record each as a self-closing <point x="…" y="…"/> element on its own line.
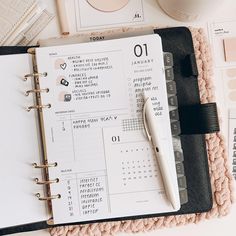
<point x="179" y="42"/>
<point x="13" y="50"/>
<point x="195" y="120"/>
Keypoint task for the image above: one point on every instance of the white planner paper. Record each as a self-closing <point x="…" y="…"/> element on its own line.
<point x="19" y="147"/>
<point x="94" y="128"/>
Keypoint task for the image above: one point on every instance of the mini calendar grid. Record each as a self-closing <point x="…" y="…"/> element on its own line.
<point x="136" y="169"/>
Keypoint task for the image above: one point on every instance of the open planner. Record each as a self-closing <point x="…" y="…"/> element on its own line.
<point x="74" y="146"/>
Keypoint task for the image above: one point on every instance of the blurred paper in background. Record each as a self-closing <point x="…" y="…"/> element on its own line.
<point x="21" y="21"/>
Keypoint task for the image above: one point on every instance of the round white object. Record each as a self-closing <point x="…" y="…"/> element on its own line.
<point x="108" y="5"/>
<point x="188" y="10"/>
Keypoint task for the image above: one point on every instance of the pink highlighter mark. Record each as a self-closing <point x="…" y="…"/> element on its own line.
<point x="232" y="96"/>
<point x="59" y="79"/>
<point x="230" y="49"/>
<point x="64" y="97"/>
<point x="108" y="5"/>
<point x="232" y="84"/>
<point x="60" y="64"/>
<point x="231" y="72"/>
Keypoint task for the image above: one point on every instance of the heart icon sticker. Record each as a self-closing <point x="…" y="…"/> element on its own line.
<point x="63" y="66"/>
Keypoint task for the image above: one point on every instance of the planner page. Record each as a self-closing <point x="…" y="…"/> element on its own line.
<point x="19" y="146"/>
<point x="94" y="128"/>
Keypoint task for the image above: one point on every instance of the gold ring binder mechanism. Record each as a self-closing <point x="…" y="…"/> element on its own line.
<point x="33" y="75"/>
<point x="36" y="90"/>
<point x="35" y="165"/>
<point x="47" y="198"/>
<point x="37" y="107"/>
<point x="46" y="182"/>
<point x="27" y="93"/>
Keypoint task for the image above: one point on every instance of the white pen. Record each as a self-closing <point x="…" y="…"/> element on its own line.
<point x="153" y="135"/>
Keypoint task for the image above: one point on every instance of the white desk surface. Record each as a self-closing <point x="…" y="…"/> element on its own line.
<point x="216" y="227"/>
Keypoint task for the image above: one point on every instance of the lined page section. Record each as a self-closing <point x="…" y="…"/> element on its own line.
<point x="19" y="146"/>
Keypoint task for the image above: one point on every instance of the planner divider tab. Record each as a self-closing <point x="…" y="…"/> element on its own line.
<point x="175" y="126"/>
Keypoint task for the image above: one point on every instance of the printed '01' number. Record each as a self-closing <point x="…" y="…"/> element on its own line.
<point x="115" y="139"/>
<point x="139" y="50"/>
